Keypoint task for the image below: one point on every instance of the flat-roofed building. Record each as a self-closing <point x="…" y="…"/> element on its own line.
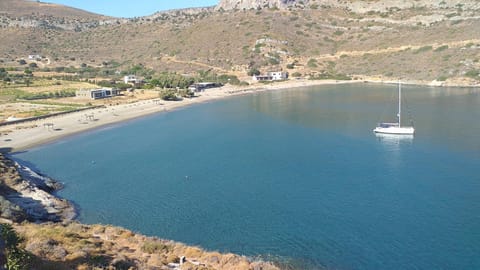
<point x="97" y="93"/>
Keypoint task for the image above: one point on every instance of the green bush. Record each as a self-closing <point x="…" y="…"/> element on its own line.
<point x="424" y="49"/>
<point x="253" y="71"/>
<point x="168" y="94"/>
<point x="331" y="76"/>
<point x="441" y="48"/>
<point x="312" y="63"/>
<point x="472" y="74"/>
<point x="297" y="74"/>
<point x="17" y="258"/>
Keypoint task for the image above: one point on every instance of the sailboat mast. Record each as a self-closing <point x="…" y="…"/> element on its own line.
<point x="399" y="104"/>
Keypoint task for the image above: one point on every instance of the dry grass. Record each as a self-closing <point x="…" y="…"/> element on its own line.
<point x="77" y="246"/>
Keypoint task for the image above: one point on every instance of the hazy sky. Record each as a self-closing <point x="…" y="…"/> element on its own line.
<point x="131" y="8"/>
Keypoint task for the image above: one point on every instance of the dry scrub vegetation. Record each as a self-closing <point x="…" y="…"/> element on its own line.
<point x="77" y="246"/>
<point x="270" y="39"/>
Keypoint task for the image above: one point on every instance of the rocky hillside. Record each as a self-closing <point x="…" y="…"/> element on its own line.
<point x="433" y="41"/>
<point x="36" y="14"/>
<point x="357" y="6"/>
<point x="259" y="4"/>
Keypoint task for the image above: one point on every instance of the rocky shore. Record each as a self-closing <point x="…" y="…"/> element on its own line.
<point x="28" y="196"/>
<point x="51" y="239"/>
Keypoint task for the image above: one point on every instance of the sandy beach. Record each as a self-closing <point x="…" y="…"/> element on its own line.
<point x="18" y="137"/>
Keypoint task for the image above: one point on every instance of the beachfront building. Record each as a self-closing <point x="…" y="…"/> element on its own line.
<point x="97" y="93"/>
<point x="271" y="76"/>
<point x="199" y="87"/>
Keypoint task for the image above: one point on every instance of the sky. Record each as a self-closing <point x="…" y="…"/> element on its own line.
<point x="131" y="8"/>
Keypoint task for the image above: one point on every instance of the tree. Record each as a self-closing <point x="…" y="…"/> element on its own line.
<point x="3" y="73"/>
<point x="168" y="95"/>
<point x="253" y="71"/>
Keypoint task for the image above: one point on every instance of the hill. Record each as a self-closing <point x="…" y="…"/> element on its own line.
<point x="20" y="8"/>
<point x="421" y="40"/>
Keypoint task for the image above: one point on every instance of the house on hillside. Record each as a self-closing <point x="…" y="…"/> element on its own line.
<point x="34" y="57"/>
<point x="97" y="93"/>
<point x="130" y="79"/>
<point x="272" y="76"/>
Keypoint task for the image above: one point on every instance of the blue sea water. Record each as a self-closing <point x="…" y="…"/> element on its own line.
<point x="295" y="175"/>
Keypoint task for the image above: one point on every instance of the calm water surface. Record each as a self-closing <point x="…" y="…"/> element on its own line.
<point x="293" y="175"/>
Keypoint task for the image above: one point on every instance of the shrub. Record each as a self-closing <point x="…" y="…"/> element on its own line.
<point x="312" y="63"/>
<point x="472" y="74"/>
<point x="441" y="48"/>
<point x="253" y="71"/>
<point x="424" y="49"/>
<point x="168" y="95"/>
<point x="151" y="247"/>
<point x="297" y="74"/>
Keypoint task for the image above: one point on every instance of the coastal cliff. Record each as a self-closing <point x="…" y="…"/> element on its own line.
<point x="48" y="238"/>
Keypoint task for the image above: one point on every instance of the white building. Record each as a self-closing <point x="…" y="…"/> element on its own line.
<point x="130" y="79"/>
<point x="96" y="93"/>
<point x="279" y="75"/>
<point x="272" y="76"/>
<point x="34" y="57"/>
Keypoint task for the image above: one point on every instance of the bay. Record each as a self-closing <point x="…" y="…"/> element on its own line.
<point x="296" y="176"/>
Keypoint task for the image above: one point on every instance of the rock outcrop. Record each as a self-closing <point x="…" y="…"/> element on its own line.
<point x="27" y="195"/>
<point x="356" y="6"/>
<point x="255" y="4"/>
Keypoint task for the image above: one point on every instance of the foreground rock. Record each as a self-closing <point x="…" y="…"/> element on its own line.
<point x="26" y="195"/>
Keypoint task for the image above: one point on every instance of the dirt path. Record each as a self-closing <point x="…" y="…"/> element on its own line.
<point x="175" y="60"/>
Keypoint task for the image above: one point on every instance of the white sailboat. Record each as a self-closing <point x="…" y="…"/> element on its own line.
<point x="395" y="128"/>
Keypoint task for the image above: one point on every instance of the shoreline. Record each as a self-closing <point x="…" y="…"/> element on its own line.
<point x="23" y="136"/>
<point x="29" y="134"/>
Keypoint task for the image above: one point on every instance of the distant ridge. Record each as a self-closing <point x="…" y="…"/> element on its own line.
<point x="256" y="4"/>
<point x="358" y="6"/>
<point x="28" y="8"/>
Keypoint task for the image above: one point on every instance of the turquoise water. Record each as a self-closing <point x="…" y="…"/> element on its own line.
<point x="295" y="176"/>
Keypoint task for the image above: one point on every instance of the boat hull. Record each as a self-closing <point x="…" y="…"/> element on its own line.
<point x="395" y="130"/>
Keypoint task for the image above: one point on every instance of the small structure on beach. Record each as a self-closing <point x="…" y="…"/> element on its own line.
<point x="272" y="76"/>
<point x="97" y="93"/>
<point x="199" y="87"/>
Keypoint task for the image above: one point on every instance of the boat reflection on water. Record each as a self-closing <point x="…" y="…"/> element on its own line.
<point x="393" y="141"/>
<point x="394" y="137"/>
<point x="394" y="146"/>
